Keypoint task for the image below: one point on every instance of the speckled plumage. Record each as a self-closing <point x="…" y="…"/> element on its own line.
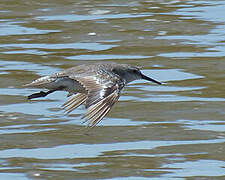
<point x="97" y="86"/>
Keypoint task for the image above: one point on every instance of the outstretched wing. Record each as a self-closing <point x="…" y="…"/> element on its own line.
<point x="74" y="101"/>
<point x="102" y="94"/>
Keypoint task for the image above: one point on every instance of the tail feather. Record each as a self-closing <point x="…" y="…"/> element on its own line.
<point x="40" y="81"/>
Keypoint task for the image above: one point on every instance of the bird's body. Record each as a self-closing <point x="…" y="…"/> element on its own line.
<point x="97" y="86"/>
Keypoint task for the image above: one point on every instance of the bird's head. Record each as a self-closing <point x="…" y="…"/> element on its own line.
<point x="131" y="73"/>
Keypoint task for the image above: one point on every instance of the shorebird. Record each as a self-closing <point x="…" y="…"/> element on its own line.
<point x="97" y="86"/>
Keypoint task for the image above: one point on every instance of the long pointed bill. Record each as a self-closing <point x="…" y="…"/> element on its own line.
<point x="150" y="79"/>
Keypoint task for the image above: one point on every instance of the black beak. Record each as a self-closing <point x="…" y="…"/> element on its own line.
<point x="150" y="79"/>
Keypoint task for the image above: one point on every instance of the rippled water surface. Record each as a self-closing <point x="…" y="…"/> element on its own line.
<point x="173" y="131"/>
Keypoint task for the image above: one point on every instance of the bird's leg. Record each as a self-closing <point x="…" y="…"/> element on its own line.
<point x="40" y="94"/>
<point x="43" y="94"/>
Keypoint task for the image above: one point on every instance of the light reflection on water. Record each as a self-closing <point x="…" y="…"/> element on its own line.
<point x="207" y="125"/>
<point x="105" y="57"/>
<point x="26" y="66"/>
<point x="87" y="46"/>
<point x="213" y="39"/>
<point x="171" y="131"/>
<point x="195" y="168"/>
<point x="11" y="176"/>
<point x="75" y="17"/>
<point x="8" y="28"/>
<point x="95" y="150"/>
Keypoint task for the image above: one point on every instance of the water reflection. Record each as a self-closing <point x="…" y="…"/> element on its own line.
<point x="10" y="28"/>
<point x="155" y="132"/>
<point x="95" y="150"/>
<point x="197" y="168"/>
<point x="75" y="17"/>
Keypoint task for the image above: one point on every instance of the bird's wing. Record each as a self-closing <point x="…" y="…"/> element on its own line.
<point x="103" y="92"/>
<point x="74" y="101"/>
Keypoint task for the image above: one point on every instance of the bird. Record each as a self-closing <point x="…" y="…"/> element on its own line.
<point x="97" y="86"/>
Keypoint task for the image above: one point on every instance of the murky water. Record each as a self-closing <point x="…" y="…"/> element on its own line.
<point x="173" y="131"/>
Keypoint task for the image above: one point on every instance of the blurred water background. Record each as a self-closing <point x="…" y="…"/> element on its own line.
<point x="173" y="131"/>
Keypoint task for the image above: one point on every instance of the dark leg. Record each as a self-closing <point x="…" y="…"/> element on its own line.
<point x="43" y="94"/>
<point x="40" y="94"/>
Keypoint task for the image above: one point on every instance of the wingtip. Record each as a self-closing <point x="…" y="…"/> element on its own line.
<point x="98" y="111"/>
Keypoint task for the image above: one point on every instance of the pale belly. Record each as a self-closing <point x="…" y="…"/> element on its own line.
<point x="68" y="84"/>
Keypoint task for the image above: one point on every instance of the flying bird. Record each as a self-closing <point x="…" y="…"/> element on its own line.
<point x="97" y="86"/>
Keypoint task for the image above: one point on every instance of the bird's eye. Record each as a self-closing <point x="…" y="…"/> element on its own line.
<point x="115" y="71"/>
